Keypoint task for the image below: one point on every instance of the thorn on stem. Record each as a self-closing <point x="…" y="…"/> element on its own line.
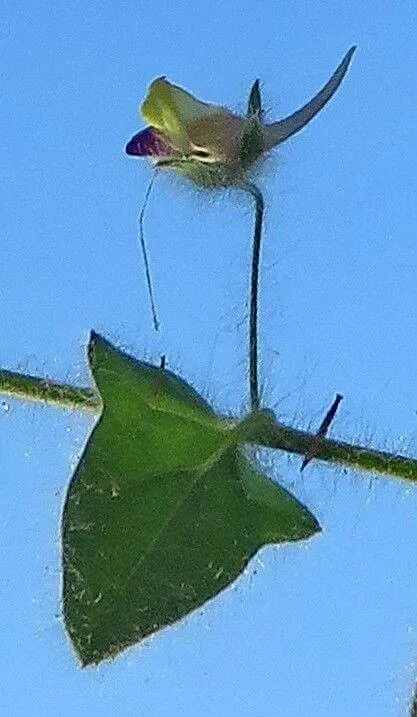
<point x="321" y="433"/>
<point x="159" y="376"/>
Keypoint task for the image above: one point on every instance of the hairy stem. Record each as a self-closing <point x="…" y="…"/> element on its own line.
<point x="42" y="390"/>
<point x="357" y="457"/>
<point x="280" y="437"/>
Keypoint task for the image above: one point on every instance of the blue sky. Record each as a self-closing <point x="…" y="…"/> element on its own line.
<point x="323" y="628"/>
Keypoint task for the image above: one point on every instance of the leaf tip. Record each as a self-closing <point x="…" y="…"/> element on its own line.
<point x="95" y="343"/>
<point x="95" y="338"/>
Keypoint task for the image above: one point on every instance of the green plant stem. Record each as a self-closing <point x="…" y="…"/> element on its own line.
<point x="254" y="291"/>
<point x="356" y="457"/>
<point x="280" y="437"/>
<point x="41" y="390"/>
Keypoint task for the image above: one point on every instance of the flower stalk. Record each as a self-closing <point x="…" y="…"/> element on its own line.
<point x="254" y="291"/>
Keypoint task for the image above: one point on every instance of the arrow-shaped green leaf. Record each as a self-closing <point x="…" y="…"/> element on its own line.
<point x="164" y="509"/>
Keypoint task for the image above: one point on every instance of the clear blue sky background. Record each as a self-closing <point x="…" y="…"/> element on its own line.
<point x="324" y="628"/>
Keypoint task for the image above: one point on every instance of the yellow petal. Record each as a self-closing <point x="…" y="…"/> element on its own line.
<point x="172" y="110"/>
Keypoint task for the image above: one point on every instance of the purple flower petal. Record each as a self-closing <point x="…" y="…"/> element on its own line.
<point x="149" y="143"/>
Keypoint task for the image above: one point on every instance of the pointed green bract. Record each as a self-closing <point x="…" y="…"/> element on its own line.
<point x="251" y="143"/>
<point x="164" y="509"/>
<point x="255" y="102"/>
